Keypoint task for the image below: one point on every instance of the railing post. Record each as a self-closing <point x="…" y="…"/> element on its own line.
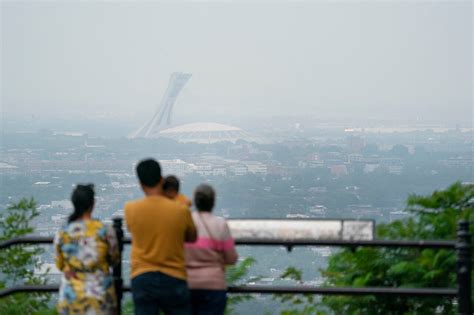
<point x="117" y="269"/>
<point x="463" y="250"/>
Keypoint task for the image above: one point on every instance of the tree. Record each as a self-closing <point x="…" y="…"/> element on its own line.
<point x="234" y="276"/>
<point x="302" y="304"/>
<point x="18" y="262"/>
<point x="434" y="217"/>
<point x="399" y="150"/>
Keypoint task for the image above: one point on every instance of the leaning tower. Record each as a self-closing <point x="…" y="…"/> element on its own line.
<point x="162" y="117"/>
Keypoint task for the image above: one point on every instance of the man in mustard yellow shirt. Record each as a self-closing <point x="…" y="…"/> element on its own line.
<point x="159" y="228"/>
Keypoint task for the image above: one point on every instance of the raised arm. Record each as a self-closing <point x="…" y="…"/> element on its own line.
<point x="191" y="232"/>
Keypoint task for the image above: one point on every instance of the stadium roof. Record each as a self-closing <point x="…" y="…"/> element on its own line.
<point x="205" y="133"/>
<point x="200" y="127"/>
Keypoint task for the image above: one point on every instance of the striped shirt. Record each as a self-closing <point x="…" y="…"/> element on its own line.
<point x="207" y="257"/>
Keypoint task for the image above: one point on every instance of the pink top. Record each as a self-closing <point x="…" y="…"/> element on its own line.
<point x="213" y="250"/>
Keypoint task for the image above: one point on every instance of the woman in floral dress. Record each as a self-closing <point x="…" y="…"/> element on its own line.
<point x="85" y="250"/>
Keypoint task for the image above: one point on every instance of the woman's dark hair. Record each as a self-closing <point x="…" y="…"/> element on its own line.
<point x="82" y="198"/>
<point x="204" y="197"/>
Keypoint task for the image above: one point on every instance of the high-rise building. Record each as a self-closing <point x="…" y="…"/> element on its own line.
<point x="355" y="144"/>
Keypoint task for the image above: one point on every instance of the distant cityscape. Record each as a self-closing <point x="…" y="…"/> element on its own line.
<point x="298" y="173"/>
<point x="46" y="165"/>
<point x="311" y="169"/>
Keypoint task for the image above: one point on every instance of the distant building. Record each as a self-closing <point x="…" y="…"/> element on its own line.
<point x="219" y="170"/>
<point x="316" y="164"/>
<point x="338" y="170"/>
<point x="392" y="165"/>
<point x="355" y="158"/>
<point x="370" y="167"/>
<point x="355" y="144"/>
<point x="238" y="169"/>
<point x="203" y="168"/>
<point x="206" y="133"/>
<point x="255" y="167"/>
<point x="459" y="161"/>
<point x="176" y="167"/>
<point x="4" y="166"/>
<point x="277" y="169"/>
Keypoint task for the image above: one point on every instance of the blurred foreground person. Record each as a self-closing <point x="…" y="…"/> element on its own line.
<point x="159" y="228"/>
<point x="171" y="190"/>
<point x="85" y="250"/>
<point x="207" y="258"/>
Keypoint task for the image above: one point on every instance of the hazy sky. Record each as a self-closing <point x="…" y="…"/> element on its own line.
<point x="372" y="58"/>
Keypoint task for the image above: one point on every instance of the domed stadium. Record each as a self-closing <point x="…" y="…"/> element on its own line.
<point x="205" y="133"/>
<point x="160" y="123"/>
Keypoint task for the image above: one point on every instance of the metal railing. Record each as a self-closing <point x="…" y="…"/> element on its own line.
<point x="462" y="246"/>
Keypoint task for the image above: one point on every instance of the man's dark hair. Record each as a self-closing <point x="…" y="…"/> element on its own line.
<point x="204" y="197"/>
<point x="149" y="172"/>
<point x="171" y="182"/>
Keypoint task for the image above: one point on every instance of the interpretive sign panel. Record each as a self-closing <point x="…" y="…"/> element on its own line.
<point x="302" y="229"/>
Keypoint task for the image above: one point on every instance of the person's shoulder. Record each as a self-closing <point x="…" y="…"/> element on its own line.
<point x="218" y="219"/>
<point x="131" y="208"/>
<point x="213" y="219"/>
<point x="181" y="207"/>
<point x="96" y="223"/>
<point x="183" y="199"/>
<point x="220" y="222"/>
<point x="177" y="207"/>
<point x="92" y="226"/>
<point x="132" y="204"/>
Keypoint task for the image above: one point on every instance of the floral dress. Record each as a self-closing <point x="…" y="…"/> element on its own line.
<point x="85" y="250"/>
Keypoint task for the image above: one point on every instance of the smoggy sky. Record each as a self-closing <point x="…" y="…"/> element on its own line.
<point x="364" y="59"/>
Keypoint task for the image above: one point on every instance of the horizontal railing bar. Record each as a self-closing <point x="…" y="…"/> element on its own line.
<point x="420" y="292"/>
<point x="30" y="239"/>
<point x="277" y="242"/>
<point x="350" y="243"/>
<point x="258" y="289"/>
<point x="44" y="288"/>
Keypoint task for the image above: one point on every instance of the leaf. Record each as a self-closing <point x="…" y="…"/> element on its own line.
<point x="17" y="262"/>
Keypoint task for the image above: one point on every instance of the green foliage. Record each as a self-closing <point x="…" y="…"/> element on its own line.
<point x="435" y="217"/>
<point x="298" y="304"/>
<point x="127" y="307"/>
<point x="235" y="275"/>
<point x="292" y="273"/>
<point x="292" y="304"/>
<point x="18" y="262"/>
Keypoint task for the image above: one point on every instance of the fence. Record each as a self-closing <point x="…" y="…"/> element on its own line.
<point x="463" y="269"/>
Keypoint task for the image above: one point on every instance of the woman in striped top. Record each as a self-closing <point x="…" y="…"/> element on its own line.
<point x="207" y="257"/>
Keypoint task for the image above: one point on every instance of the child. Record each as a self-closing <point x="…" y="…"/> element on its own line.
<point x="171" y="190"/>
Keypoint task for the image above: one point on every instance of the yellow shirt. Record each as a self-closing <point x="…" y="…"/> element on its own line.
<point x="159" y="228"/>
<point x="184" y="200"/>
